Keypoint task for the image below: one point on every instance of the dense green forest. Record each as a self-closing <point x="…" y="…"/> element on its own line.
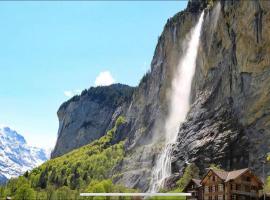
<point x="86" y="169"/>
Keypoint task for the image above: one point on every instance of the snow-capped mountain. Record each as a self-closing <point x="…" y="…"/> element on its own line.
<point x="16" y="157"/>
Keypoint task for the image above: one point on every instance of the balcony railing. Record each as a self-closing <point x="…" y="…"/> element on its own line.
<point x="252" y="193"/>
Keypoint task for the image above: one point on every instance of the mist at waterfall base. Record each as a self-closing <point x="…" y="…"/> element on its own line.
<point x="178" y="106"/>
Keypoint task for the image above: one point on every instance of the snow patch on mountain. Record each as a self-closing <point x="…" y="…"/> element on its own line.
<point x="16" y="156"/>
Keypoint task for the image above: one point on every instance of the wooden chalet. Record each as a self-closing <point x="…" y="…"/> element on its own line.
<point x="222" y="185"/>
<point x="195" y="188"/>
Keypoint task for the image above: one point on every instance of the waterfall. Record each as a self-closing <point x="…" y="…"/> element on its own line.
<point x="178" y="106"/>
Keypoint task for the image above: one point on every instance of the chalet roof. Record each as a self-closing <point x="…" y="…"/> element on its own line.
<point x="197" y="182"/>
<point x="231" y="175"/>
<point x="226" y="176"/>
<point x="221" y="174"/>
<point x="234" y="174"/>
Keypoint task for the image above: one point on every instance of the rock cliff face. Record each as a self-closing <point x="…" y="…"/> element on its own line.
<point x="229" y="121"/>
<point x="89" y="116"/>
<point x="149" y="107"/>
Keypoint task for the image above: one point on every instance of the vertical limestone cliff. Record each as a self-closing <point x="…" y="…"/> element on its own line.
<point x="229" y="121"/>
<point x="89" y="116"/>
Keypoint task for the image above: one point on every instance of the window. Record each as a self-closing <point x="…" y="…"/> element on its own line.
<point x="216" y="197"/>
<point x="246" y="178"/>
<point x="214" y="178"/>
<point x="253" y="189"/>
<point x="247" y="188"/>
<point x="206" y="189"/>
<point x="220" y="187"/>
<point x="220" y="197"/>
<point x="213" y="188"/>
<point x="233" y="186"/>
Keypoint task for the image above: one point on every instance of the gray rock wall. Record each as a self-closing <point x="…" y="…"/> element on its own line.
<point x="228" y="123"/>
<point x="89" y="116"/>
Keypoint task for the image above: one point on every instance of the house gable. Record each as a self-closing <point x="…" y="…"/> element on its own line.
<point x="249" y="178"/>
<point x="212" y="177"/>
<point x="192" y="184"/>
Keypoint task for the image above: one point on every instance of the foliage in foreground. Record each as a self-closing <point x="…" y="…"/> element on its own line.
<point x="86" y="169"/>
<point x="191" y="171"/>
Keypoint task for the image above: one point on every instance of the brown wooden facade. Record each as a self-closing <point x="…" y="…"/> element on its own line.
<point x="195" y="188"/>
<point x="234" y="185"/>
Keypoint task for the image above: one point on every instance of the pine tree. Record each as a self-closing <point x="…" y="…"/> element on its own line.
<point x="191" y="171"/>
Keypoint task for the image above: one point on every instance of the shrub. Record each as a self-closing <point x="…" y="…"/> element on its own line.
<point x="191" y="171"/>
<point x="25" y="192"/>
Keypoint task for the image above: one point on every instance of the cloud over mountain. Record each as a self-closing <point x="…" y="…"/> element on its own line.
<point x="104" y="79"/>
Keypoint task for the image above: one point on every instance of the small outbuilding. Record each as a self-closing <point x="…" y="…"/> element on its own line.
<point x="195" y="188"/>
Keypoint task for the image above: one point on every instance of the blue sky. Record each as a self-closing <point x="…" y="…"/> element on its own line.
<point x="51" y="50"/>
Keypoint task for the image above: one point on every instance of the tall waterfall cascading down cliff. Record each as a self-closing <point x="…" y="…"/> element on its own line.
<point x="228" y="121"/>
<point x="178" y="106"/>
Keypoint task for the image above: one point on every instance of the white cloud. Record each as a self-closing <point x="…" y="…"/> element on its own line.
<point x="71" y="93"/>
<point x="104" y="78"/>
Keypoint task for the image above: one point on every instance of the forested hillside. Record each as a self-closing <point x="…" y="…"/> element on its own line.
<point x="86" y="169"/>
<point x="226" y="122"/>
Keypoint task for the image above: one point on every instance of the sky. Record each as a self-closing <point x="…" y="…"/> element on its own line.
<point x="51" y="51"/>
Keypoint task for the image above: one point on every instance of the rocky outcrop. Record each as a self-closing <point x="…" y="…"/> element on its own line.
<point x="149" y="107"/>
<point x="228" y="123"/>
<point x="89" y="116"/>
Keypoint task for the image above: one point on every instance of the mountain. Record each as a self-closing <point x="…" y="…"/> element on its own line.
<point x="16" y="157"/>
<point x="90" y="168"/>
<point x="87" y="117"/>
<point x="228" y="121"/>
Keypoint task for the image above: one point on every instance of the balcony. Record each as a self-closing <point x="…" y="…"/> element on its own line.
<point x="250" y="194"/>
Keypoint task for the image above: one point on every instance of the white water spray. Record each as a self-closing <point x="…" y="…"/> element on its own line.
<point x="179" y="106"/>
